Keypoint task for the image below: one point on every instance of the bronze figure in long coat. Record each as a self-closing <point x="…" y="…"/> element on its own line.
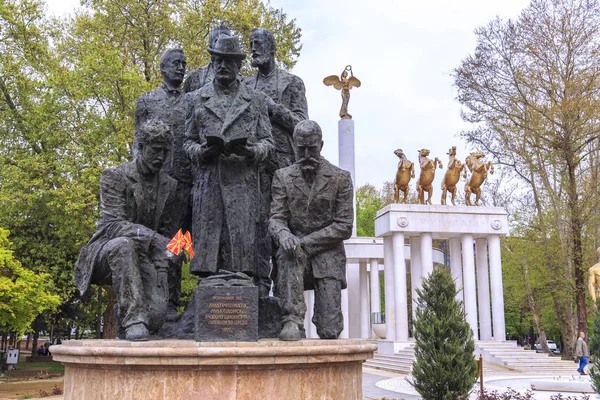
<point x="226" y="193"/>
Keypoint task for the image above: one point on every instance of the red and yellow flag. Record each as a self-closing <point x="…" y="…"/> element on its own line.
<point x="177" y="243"/>
<point x="188" y="244"/>
<point x="181" y="241"/>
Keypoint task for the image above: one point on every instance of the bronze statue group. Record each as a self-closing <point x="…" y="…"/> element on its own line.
<point x="236" y="162"/>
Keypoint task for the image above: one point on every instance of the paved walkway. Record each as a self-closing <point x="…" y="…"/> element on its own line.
<point x="379" y="384"/>
<point x="371" y="390"/>
<point x="388" y="385"/>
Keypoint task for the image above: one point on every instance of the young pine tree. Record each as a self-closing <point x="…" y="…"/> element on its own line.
<point x="444" y="367"/>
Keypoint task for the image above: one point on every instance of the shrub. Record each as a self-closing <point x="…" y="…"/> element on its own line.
<point x="444" y="366"/>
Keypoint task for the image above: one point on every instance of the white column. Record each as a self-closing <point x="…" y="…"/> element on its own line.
<point x="483" y="290"/>
<point x="345" y="332"/>
<point x="497" y="293"/>
<point x="400" y="287"/>
<point x="309" y="328"/>
<point x="456" y="266"/>
<point x="375" y="290"/>
<point x="469" y="282"/>
<point x="313" y="327"/>
<point x="388" y="280"/>
<point x="365" y="326"/>
<point x="353" y="299"/>
<point x="426" y="254"/>
<point x="415" y="270"/>
<point x="346" y="156"/>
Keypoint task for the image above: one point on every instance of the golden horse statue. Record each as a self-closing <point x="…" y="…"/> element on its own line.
<point x="424" y="184"/>
<point x="479" y="170"/>
<point x="452" y="176"/>
<point x="594" y="280"/>
<point x="406" y="171"/>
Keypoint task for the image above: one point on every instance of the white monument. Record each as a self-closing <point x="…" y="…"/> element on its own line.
<point x="466" y="228"/>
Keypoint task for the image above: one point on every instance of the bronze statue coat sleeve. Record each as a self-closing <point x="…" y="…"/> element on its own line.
<point x="192" y="145"/>
<point x="280" y="211"/>
<point x="298" y="110"/>
<point x="264" y="144"/>
<point x="114" y="214"/>
<point x="341" y="227"/>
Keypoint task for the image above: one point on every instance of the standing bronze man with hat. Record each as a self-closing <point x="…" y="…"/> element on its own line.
<point x="228" y="137"/>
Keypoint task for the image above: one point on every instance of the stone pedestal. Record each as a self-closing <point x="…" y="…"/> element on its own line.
<point x="184" y="369"/>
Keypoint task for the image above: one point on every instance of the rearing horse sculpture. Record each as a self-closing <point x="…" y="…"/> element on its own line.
<point x="452" y="176"/>
<point x="479" y="170"/>
<point x="406" y="171"/>
<point x="427" y="175"/>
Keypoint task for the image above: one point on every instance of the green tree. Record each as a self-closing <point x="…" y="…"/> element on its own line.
<point x="23" y="294"/>
<point x="527" y="286"/>
<point x="531" y="90"/>
<point x="444" y="366"/>
<point x="368" y="202"/>
<point x="48" y="172"/>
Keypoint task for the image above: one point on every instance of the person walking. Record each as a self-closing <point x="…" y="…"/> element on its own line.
<point x="581" y="351"/>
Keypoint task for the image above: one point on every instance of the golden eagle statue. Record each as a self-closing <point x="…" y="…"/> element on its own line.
<point x="343" y="83"/>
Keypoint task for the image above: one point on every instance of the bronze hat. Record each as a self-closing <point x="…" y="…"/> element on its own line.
<point x="227" y="46"/>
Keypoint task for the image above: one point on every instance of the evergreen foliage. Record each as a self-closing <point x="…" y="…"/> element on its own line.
<point x="444" y="366"/>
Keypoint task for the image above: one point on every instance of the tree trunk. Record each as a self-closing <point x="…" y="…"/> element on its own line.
<point x="34" y="345"/>
<point x="110" y="322"/>
<point x="576" y="229"/>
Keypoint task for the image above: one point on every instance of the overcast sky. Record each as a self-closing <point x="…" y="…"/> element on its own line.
<point x="404" y="53"/>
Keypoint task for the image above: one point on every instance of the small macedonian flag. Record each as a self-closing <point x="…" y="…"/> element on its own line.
<point x="181" y="241"/>
<point x="177" y="243"/>
<point x="188" y="244"/>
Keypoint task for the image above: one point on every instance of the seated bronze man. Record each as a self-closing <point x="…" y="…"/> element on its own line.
<point x="128" y="249"/>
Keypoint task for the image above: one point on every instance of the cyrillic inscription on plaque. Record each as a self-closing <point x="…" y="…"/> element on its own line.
<point x="227" y="314"/>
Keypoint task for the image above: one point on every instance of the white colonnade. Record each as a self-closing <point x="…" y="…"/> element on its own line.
<point x="474" y="243"/>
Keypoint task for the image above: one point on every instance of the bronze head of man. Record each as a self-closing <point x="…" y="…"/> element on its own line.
<point x="262" y="49"/>
<point x="172" y="66"/>
<point x="153" y="144"/>
<point x="227" y="59"/>
<point x="308" y="142"/>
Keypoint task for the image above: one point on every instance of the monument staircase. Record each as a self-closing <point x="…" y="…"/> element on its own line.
<point x="509" y="355"/>
<point x="401" y="362"/>
<point x="499" y="357"/>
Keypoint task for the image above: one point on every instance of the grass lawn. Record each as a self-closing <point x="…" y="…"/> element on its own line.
<point x="32" y="380"/>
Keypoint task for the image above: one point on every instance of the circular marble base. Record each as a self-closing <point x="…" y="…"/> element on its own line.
<point x="184" y="369"/>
